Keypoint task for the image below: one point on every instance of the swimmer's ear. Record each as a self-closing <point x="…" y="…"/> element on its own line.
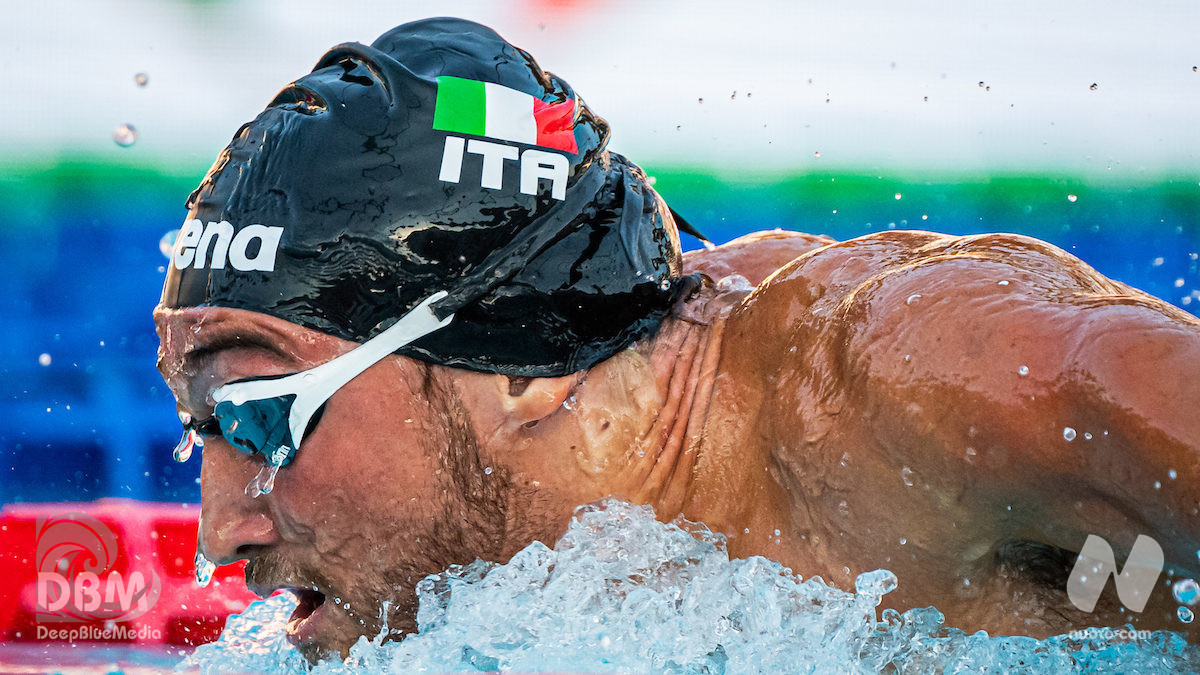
<point x="532" y="399"/>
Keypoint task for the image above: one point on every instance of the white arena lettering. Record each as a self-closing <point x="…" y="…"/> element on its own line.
<point x="214" y="245"/>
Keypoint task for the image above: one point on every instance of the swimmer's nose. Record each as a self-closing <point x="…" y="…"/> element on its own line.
<point x="232" y="524"/>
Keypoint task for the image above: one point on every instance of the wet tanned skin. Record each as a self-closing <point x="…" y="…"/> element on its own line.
<point x="806" y="406"/>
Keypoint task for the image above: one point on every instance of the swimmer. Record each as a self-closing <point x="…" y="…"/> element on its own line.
<point x="418" y="313"/>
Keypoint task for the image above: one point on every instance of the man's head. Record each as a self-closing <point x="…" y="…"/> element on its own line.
<point x="440" y="158"/>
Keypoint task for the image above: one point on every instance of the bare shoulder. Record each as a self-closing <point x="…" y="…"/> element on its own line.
<point x="753" y="256"/>
<point x="911" y="272"/>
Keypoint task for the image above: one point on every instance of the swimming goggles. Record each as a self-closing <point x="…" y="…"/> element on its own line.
<point x="271" y="415"/>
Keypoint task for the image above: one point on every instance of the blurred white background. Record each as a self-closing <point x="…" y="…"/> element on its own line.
<point x="780" y="81"/>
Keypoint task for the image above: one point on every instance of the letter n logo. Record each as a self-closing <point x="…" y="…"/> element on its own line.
<point x="1097" y="563"/>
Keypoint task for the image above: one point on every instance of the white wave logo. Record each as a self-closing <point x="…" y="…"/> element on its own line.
<point x="76" y="582"/>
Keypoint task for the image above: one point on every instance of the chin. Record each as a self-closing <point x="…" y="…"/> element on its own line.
<point x="320" y="629"/>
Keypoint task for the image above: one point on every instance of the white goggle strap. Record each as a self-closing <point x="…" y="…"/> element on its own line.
<point x="314" y="386"/>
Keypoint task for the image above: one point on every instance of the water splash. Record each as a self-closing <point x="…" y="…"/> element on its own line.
<point x="253" y="642"/>
<point x="621" y="592"/>
<point x="204" y="570"/>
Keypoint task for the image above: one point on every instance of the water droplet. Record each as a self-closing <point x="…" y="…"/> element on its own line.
<point x="912" y="299"/>
<point x="1186" y="591"/>
<point x="970" y="451"/>
<point x="981" y="83"/>
<point x="817" y="154"/>
<point x="926" y="98"/>
<point x="1172" y="474"/>
<point x="1157" y="485"/>
<point x="776" y="532"/>
<point x="843" y="508"/>
<point x="204" y="569"/>
<point x="1179" y="283"/>
<point x="1094" y="86"/>
<point x="876" y="583"/>
<point x="125" y="135"/>
<point x="488" y="470"/>
<point x="903" y="540"/>
<point x="44" y="359"/>
<point x="1087" y="435"/>
<point x="141" y="79"/>
<point x="1068" y="434"/>
<point x="1023" y="370"/>
<point x="264" y="482"/>
<point x="1072" y="198"/>
<point x="665" y="285"/>
<point x="166" y="245"/>
<point x="700" y="100"/>
<point x="1185" y="615"/>
<point x="1157" y="262"/>
<point x="183" y="449"/>
<point x="906" y="476"/>
<point x="899" y="196"/>
<point x="1002" y="282"/>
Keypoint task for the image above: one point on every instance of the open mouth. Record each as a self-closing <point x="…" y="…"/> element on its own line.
<point x="299" y="627"/>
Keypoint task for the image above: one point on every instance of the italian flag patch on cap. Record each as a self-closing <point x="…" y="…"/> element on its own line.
<point x="486" y="109"/>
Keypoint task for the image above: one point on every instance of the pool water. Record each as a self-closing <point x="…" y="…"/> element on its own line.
<point x="623" y="593"/>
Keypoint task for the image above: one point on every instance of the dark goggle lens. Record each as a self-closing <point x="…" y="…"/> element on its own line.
<point x="258" y="426"/>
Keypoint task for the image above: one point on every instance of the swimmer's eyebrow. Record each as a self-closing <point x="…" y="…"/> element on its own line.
<point x="202" y="357"/>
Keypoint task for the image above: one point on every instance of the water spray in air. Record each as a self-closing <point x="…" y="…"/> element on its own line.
<point x="204" y="569"/>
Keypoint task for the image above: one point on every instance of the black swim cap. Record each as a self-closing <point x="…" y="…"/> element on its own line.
<point x="441" y="157"/>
